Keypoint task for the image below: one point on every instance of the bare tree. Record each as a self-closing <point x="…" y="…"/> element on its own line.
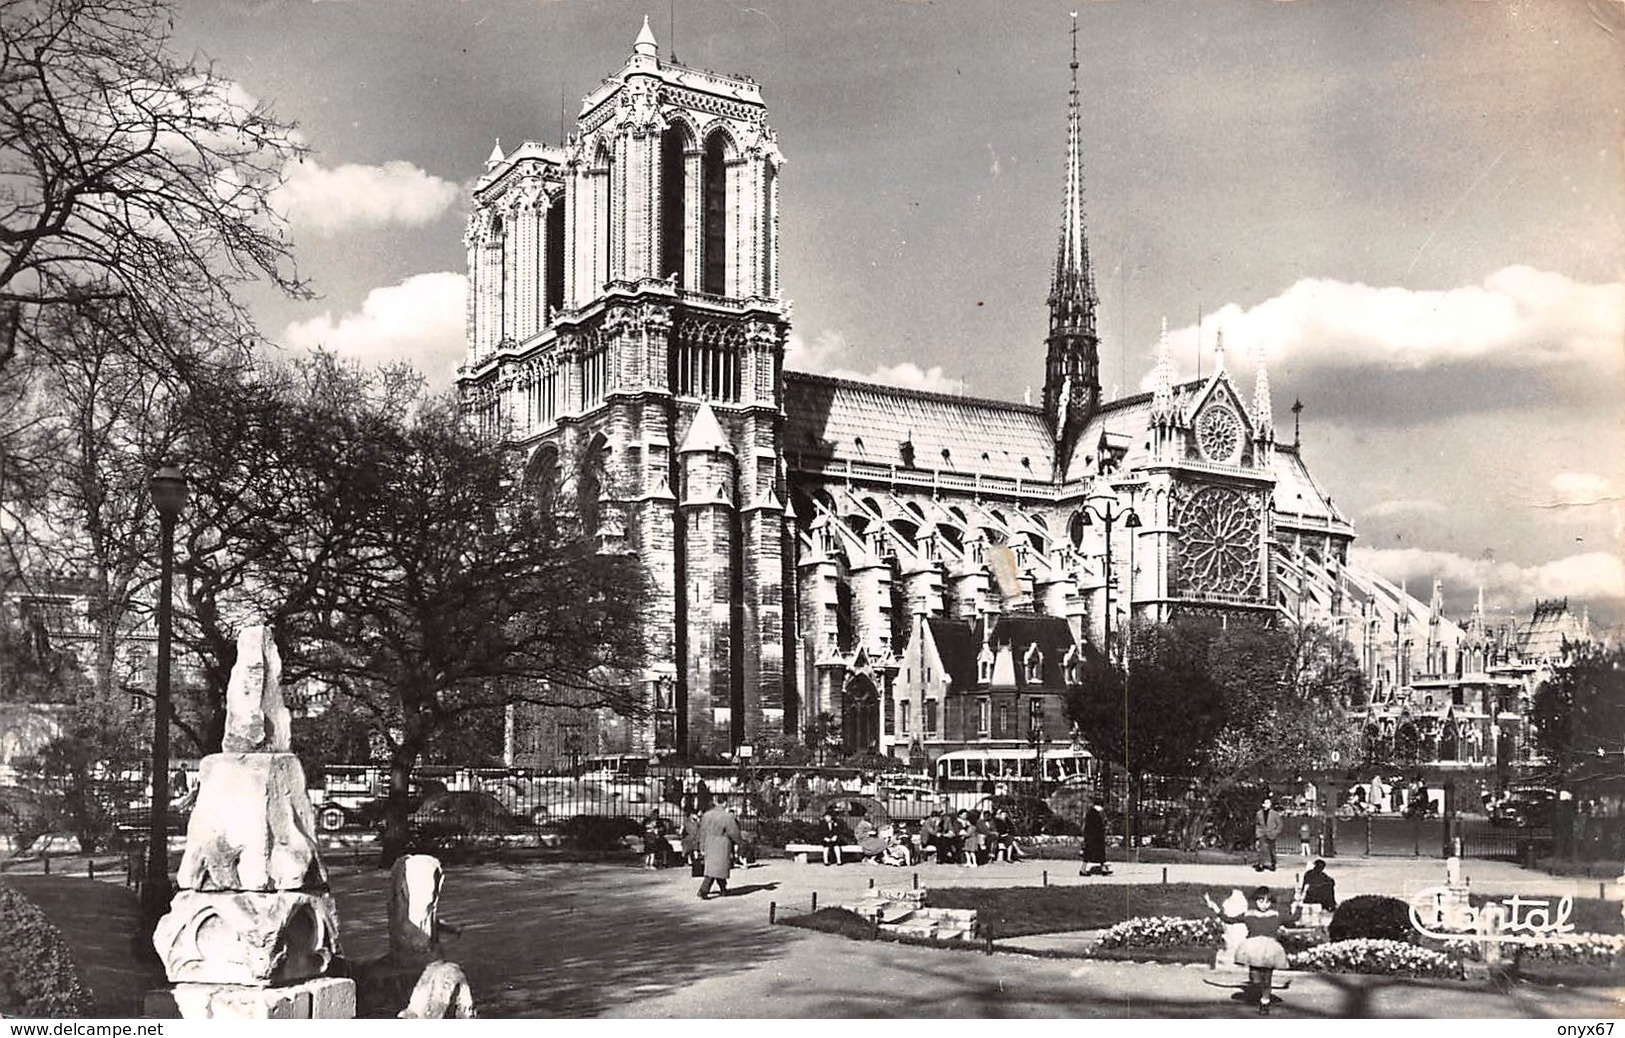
<point x="131" y="177"/>
<point x="135" y="198"/>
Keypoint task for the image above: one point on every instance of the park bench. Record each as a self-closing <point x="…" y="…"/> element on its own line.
<point x="803" y="853"/>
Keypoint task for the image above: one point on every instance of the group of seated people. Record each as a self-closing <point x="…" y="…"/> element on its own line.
<point x="963" y="838"/>
<point x="969" y="837"/>
<point x="885" y="844"/>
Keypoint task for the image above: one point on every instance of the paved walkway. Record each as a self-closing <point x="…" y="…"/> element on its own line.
<point x="615" y="940"/>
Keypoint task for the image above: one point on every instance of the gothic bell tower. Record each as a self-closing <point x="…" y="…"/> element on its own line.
<point x="626" y="327"/>
<point x="1072" y="363"/>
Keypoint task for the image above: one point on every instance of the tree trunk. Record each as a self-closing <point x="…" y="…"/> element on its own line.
<point x="397" y="810"/>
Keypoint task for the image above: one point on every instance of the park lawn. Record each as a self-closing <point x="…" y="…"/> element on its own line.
<point x="1019" y="911"/>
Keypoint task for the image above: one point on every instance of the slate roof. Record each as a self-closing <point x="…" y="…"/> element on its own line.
<point x="1297" y="494"/>
<point x="1543" y="636"/>
<point x="958" y="644"/>
<point x="1053" y="636"/>
<point x="837" y="419"/>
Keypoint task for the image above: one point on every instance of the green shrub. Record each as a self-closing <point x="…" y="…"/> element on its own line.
<point x="38" y="976"/>
<point x="599" y="833"/>
<point x="1372" y="916"/>
<point x="781" y="832"/>
<point x="1386" y="958"/>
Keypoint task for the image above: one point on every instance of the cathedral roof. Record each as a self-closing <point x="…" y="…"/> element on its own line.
<point x="1551" y="625"/>
<point x="863" y="422"/>
<point x="1298" y="495"/>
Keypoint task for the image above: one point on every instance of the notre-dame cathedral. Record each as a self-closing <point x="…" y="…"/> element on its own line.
<point x="927" y="569"/>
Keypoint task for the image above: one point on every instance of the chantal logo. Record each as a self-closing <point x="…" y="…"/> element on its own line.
<point x="1446" y="914"/>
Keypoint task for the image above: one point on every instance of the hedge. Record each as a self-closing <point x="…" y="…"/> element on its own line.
<point x="1372" y="916"/>
<point x="38" y="975"/>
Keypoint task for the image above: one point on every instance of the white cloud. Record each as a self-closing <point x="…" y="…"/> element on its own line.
<point x="1594" y="577"/>
<point x="1580" y="489"/>
<point x="326" y="201"/>
<point x="1405" y="507"/>
<point x="419" y="320"/>
<point x="1518" y="318"/>
<point x="827" y="355"/>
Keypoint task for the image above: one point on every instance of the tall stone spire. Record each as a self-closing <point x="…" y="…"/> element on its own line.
<point x="1162" y="391"/>
<point x="1263" y="412"/>
<point x="1072" y="367"/>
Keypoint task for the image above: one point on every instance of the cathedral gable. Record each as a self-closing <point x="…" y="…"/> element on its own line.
<point x="1222" y="432"/>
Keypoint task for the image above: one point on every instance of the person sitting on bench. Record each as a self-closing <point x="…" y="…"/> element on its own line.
<point x="833" y="836"/>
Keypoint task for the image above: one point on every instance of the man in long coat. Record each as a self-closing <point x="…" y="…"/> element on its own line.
<point x="719" y="834"/>
<point x="1094" y="842"/>
<point x="1266" y="830"/>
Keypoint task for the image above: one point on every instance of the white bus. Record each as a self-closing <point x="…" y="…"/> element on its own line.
<point x="964" y="777"/>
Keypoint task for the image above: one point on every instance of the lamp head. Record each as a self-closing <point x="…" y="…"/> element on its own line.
<point x="168" y="487"/>
<point x="1132" y="520"/>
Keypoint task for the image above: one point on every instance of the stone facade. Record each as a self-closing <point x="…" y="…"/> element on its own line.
<point x="626" y="329"/>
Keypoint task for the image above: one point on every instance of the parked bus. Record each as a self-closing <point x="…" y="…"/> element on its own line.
<point x="964" y="777"/>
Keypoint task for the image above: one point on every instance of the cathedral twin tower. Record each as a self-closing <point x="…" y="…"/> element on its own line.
<point x="802" y="533"/>
<point x="624" y="323"/>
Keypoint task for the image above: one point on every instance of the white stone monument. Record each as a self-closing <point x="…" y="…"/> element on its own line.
<point x="252" y="931"/>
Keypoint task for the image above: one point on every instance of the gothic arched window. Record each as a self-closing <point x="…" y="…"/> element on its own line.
<point x="554" y="285"/>
<point x="714" y="214"/>
<point x="542" y="477"/>
<point x="673" y="200"/>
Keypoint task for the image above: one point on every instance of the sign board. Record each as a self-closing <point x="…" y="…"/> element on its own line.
<point x="746" y="751"/>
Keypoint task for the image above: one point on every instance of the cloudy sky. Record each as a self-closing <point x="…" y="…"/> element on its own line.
<point x="1413" y="210"/>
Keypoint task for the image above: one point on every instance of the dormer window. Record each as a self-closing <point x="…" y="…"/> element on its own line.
<point x="1034" y="665"/>
<point x="1074" y="667"/>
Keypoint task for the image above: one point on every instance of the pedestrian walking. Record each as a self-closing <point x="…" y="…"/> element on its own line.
<point x="1094" y="842"/>
<point x="1266" y="830"/>
<point x="719" y="835"/>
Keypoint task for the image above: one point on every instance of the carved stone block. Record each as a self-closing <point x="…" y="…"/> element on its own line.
<point x="257" y="720"/>
<point x="325" y="998"/>
<point x="252" y="827"/>
<point x="414" y="901"/>
<point x="252" y="939"/>
<point x="441" y="993"/>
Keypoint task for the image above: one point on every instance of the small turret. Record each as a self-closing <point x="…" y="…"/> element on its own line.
<point x="645" y="45"/>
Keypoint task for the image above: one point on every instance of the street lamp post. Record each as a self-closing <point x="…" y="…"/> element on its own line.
<point x="1102" y="505"/>
<point x="168" y="487"/>
<point x="1035" y="735"/>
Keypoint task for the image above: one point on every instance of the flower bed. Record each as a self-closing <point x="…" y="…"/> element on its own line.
<point x="1589" y="949"/>
<point x="1161" y="931"/>
<point x="1373" y="956"/>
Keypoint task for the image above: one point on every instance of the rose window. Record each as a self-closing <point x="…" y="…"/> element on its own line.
<point x="1218" y="432"/>
<point x="1218" y="550"/>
